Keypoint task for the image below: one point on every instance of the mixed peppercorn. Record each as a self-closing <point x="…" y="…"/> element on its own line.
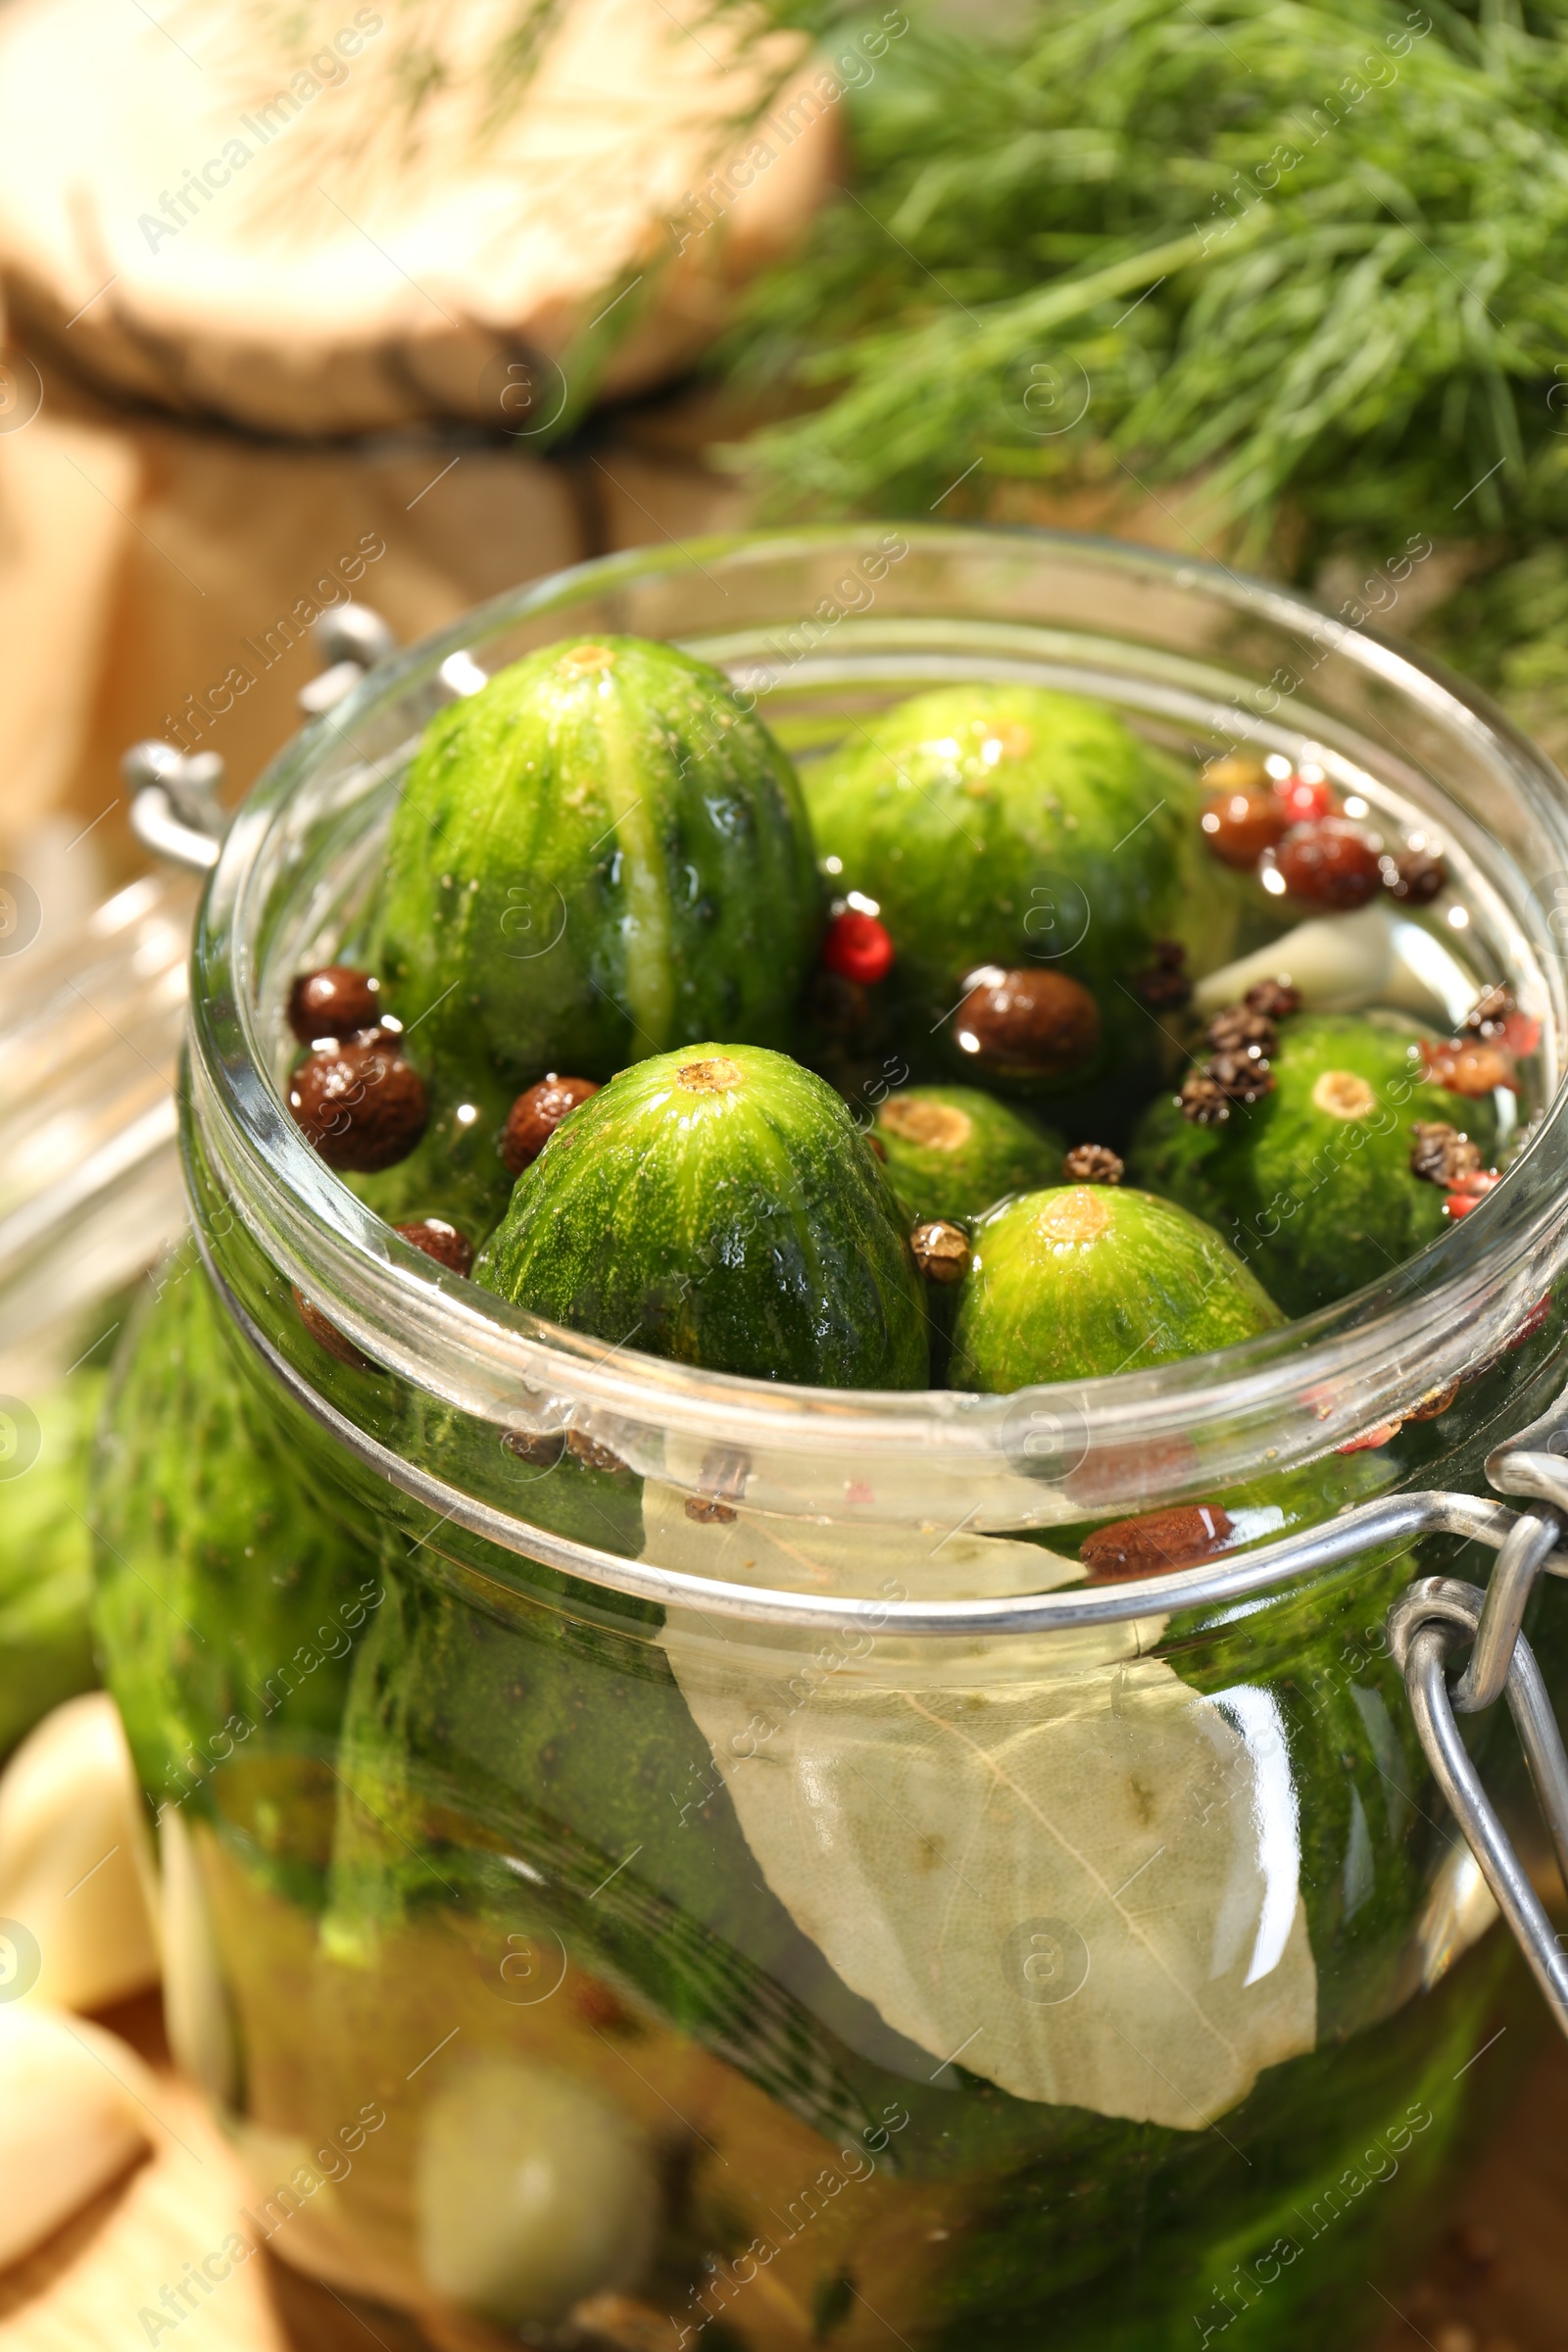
<point x="1290" y="827"/>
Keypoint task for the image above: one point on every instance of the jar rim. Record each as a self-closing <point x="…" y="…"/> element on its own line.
<point x="1289" y="1394"/>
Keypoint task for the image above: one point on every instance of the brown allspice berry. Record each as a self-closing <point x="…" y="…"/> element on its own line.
<point x="1441" y="1153"/>
<point x="333" y="1002"/>
<point x="1244" y="1076"/>
<point x="1242" y="1029"/>
<point x="1027" y="1023"/>
<point x="440" y="1240"/>
<point x="1414" y="876"/>
<point x="1276" y="999"/>
<point x="360" y="1104"/>
<point x="1239" y="825"/>
<point x="536" y="1115"/>
<point x="1093" y="1164"/>
<point x="942" y="1251"/>
<point x="328" y="1335"/>
<point x="1332" y="862"/>
<point x="1178" y="1537"/>
<point x="1204" y="1100"/>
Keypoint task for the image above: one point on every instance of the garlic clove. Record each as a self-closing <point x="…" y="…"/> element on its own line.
<point x="534" y="2191"/>
<point x="196" y="2009"/>
<point x="71" y="2095"/>
<point x="71" y="1826"/>
<point x="1345" y="962"/>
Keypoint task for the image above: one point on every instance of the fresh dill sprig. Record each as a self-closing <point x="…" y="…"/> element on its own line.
<point x="1305" y="252"/>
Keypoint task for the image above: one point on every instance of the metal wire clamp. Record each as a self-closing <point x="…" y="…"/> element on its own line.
<point x="1428" y="1622"/>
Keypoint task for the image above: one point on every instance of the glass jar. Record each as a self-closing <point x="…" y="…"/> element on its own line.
<point x="651" y="1857"/>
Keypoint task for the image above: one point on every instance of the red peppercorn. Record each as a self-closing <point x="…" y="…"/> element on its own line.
<point x="1238" y="826"/>
<point x="857" y="946"/>
<point x="1531" y="1323"/>
<point x="1470" y="1192"/>
<point x="1467" y="1068"/>
<point x="1384" y="1434"/>
<point x="333" y="1002"/>
<point x="360" y="1104"/>
<point x="440" y="1240"/>
<point x="536" y="1115"/>
<point x="1306" y="795"/>
<point x="1332" y="862"/>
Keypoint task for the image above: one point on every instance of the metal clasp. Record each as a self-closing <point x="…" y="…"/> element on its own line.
<point x="1427" y="1623"/>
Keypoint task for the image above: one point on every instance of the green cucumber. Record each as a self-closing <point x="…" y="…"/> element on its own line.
<point x="720" y="1206"/>
<point x="1017" y="827"/>
<point x="228" y="1599"/>
<point x="952" y="1151"/>
<point x="599" y="856"/>
<point x="1313" y="1183"/>
<point x="46" y="1562"/>
<point x="1084" y="1280"/>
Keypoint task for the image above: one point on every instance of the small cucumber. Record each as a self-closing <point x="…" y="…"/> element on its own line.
<point x="953" y="1152"/>
<point x="1083" y="1280"/>
<point x="600" y="855"/>
<point x="720" y="1206"/>
<point x="1313" y="1183"/>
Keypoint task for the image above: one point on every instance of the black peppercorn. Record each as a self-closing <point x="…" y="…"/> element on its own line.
<point x="1092" y="1163"/>
<point x="941" y="1251"/>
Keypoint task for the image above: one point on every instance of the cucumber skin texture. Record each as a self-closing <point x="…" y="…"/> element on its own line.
<point x="606" y="862"/>
<point x="46" y="1564"/>
<point x="749" y="1230"/>
<point x="964" y="856"/>
<point x="228" y="1599"/>
<point x="1321" y="1204"/>
<point x="1006" y="1151"/>
<point x="1084" y="1280"/>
